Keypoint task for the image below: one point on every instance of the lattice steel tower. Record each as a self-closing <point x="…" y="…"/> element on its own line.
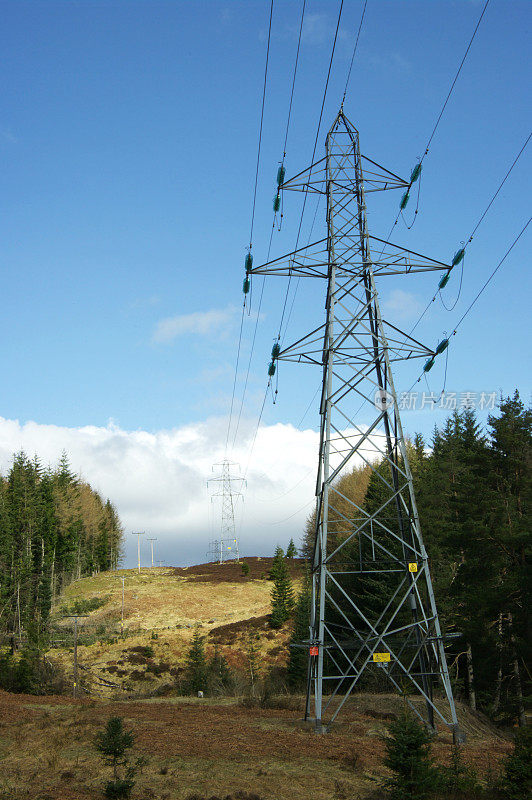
<point x="225" y="548"/>
<point x="373" y="606"/>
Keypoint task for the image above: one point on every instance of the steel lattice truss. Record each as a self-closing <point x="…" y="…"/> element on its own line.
<point x="373" y="606"/>
<point x="225" y="548"/>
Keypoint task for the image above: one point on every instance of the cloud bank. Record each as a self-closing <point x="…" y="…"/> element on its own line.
<point x="158" y="481"/>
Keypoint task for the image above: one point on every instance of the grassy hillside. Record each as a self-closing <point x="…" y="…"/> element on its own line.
<point x="162" y="608"/>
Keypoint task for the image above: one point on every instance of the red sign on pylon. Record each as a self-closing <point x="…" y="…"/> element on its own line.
<point x="313" y="650"/>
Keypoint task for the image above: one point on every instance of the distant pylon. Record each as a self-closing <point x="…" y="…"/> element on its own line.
<point x="373" y="608"/>
<point x="225" y="547"/>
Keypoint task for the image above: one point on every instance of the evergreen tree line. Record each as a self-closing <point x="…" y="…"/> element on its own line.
<point x="473" y="493"/>
<point x="54" y="528"/>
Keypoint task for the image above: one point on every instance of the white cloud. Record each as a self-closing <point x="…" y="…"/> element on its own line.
<point x="400" y="306"/>
<point x="158" y="481"/>
<point x="199" y="323"/>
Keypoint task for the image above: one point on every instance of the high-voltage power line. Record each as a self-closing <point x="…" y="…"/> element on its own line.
<point x="373" y="605"/>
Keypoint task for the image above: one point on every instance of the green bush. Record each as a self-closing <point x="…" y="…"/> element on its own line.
<point x="28" y="673"/>
<point x="118" y="789"/>
<point x="457" y="780"/>
<point x="83" y="606"/>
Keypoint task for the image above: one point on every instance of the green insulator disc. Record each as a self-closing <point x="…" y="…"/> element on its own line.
<point x="416" y="172"/>
<point x="445" y="280"/>
<point x="404" y="200"/>
<point x="458" y="256"/>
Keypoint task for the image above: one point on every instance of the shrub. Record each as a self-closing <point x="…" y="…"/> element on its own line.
<point x="145" y="650"/>
<point x="30" y="673"/>
<point x="245" y="569"/>
<point x="83" y="605"/>
<point x="457" y="780"/>
<point x="119" y="788"/>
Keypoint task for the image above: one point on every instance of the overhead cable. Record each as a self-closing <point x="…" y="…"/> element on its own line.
<point x="499" y="265"/>
<point x="261" y="124"/>
<point x="446" y="341"/>
<point x="431" y="137"/>
<point x="252" y="216"/>
<point x="294" y="79"/>
<point x="313" y="155"/>
<point x="273" y="227"/>
<point x="477" y="226"/>
<point x="354" y="51"/>
<point x="438" y="120"/>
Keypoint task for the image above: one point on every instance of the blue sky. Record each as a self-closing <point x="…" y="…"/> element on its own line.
<point x="128" y="138"/>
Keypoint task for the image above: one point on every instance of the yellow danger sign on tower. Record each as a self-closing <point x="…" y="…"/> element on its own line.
<point x="380" y="658"/>
<point x="412" y="567"/>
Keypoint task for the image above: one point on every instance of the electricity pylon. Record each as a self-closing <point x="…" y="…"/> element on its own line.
<point x="225" y="547"/>
<point x="373" y="607"/>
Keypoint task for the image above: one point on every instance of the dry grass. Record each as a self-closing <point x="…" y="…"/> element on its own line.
<point x="169" y="603"/>
<point x="205" y="748"/>
<point x="196" y="747"/>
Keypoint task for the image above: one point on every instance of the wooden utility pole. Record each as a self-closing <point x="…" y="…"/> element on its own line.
<point x="75" y="618"/>
<point x="138" y="534"/>
<point x="122" y="615"/>
<point x="151" y="542"/>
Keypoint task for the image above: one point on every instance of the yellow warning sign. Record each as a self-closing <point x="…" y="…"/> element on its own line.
<point x="412" y="567"/>
<point x="381" y="657"/>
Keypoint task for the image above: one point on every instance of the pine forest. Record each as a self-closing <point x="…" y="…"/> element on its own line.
<point x="54" y="528"/>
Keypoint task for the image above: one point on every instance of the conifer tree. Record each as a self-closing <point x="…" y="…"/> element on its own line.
<point x="298" y="656"/>
<point x="277" y="563"/>
<point x="517" y="779"/>
<point x="196" y="664"/>
<point x="112" y="743"/>
<point x="282" y="595"/>
<point x="291" y="551"/>
<point x="452" y="500"/>
<point x="253" y="663"/>
<point x="408" y="756"/>
<point x="510" y="504"/>
<point x="52" y="528"/>
<point x="219" y="675"/>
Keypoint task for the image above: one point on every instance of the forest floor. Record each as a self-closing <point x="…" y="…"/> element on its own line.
<point x="212" y="747"/>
